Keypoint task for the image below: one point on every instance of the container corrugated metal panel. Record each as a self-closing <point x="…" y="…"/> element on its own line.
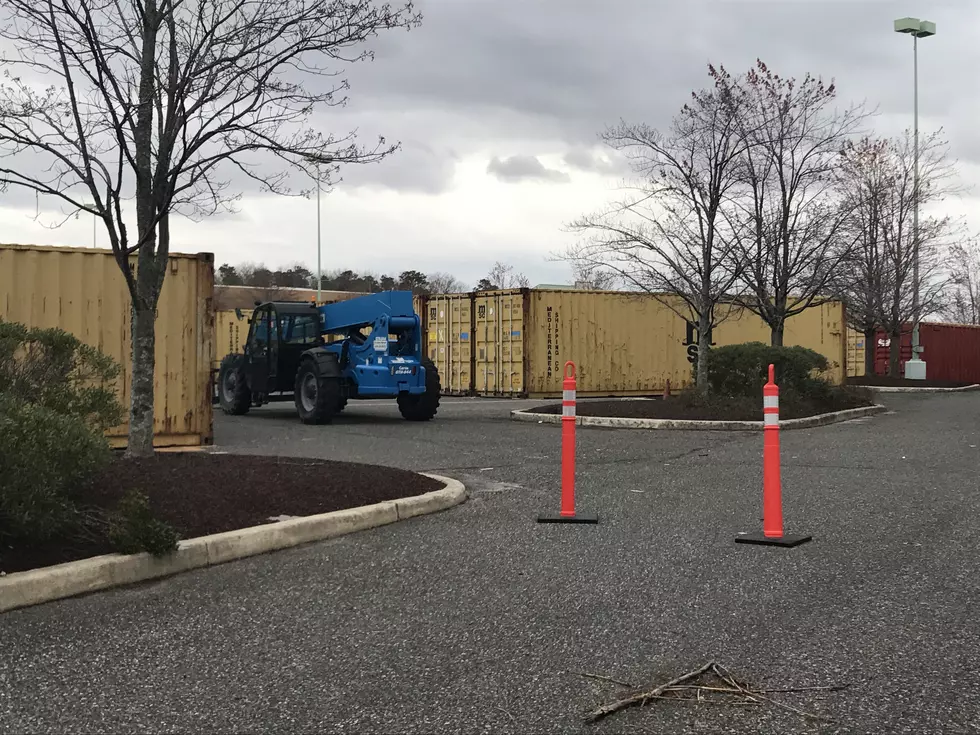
<point x="230" y="333"/>
<point x="622" y="344"/>
<point x="820" y="328"/>
<point x="855" y="353"/>
<point x="449" y="324"/>
<point x="498" y="341"/>
<point x="951" y="351"/>
<point x="82" y="291"/>
<point x="632" y="344"/>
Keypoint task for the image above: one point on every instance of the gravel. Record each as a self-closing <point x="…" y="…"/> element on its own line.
<point x="465" y="621"/>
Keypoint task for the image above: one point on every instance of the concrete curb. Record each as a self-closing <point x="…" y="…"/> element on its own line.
<point x="678" y="425"/>
<point x="36" y="586"/>
<point x="902" y="389"/>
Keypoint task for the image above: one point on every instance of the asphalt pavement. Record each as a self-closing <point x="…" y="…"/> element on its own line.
<point x="472" y="620"/>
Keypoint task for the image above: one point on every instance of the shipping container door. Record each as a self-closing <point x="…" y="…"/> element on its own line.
<point x="448" y="325"/>
<point x="499" y="327"/>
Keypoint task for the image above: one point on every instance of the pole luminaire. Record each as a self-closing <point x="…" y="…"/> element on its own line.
<point x="915" y="369"/>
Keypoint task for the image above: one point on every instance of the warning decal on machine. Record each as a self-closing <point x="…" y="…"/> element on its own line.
<point x="380" y="344"/>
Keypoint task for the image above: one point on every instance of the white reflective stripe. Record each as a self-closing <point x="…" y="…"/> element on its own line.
<point x="770" y="402"/>
<point x="568" y="410"/>
<point x="568" y="395"/>
<point x="771" y="419"/>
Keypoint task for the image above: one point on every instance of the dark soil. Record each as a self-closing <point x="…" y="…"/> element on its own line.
<point x="885" y="381"/>
<point x="201" y="494"/>
<point x="686" y="408"/>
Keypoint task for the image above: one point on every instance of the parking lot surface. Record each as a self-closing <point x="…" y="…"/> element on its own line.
<point x="470" y="620"/>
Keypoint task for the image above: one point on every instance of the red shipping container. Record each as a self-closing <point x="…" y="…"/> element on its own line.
<point x="951" y="351"/>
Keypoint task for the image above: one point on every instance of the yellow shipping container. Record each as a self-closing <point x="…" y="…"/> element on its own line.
<point x="622" y="343"/>
<point x="82" y="291"/>
<point x="447" y="324"/>
<point x="820" y="328"/>
<point x="855" y="353"/>
<point x="498" y="328"/>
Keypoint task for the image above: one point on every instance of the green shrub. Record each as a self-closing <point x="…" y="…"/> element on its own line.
<point x="742" y="370"/>
<point x="56" y="370"/>
<point x="133" y="528"/>
<point x="44" y="457"/>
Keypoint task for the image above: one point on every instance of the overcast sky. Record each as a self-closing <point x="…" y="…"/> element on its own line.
<point x="498" y="105"/>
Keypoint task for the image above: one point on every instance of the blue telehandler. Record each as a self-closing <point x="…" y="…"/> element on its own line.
<point x="321" y="356"/>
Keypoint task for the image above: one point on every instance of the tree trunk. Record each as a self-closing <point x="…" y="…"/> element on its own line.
<point x="870" y="351"/>
<point x="777" y="335"/>
<point x="141" y="390"/>
<point x="704" y="347"/>
<point x="894" y="354"/>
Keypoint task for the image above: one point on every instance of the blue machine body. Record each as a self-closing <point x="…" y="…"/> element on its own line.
<point x="388" y="360"/>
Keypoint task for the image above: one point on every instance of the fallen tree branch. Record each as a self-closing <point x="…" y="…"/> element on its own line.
<point x="608" y="709"/>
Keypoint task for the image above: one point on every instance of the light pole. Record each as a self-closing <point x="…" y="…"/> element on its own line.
<point x="319" y="271"/>
<point x="915" y="368"/>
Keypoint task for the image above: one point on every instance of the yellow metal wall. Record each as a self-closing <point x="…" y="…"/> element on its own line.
<point x="82" y="291"/>
<point x="448" y="324"/>
<point x="855" y="353"/>
<point x="622" y="344"/>
<point x="632" y="344"/>
<point x="498" y="337"/>
<point x="230" y="333"/>
<point x="820" y="328"/>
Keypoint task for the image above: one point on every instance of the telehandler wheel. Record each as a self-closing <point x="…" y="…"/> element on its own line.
<point x="316" y="398"/>
<point x="423" y="406"/>
<point x="341" y="403"/>
<point x="233" y="393"/>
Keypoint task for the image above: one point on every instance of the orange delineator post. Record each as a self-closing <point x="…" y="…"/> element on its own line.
<point x="567" y="513"/>
<point x="772" y="491"/>
<point x="772" y="500"/>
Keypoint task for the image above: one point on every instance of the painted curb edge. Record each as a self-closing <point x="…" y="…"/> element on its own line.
<point x="822" y="419"/>
<point x="46" y="584"/>
<point x="908" y="389"/>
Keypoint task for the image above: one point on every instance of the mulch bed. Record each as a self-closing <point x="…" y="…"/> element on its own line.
<point x="201" y="494"/>
<point x="885" y="381"/>
<point x="719" y="409"/>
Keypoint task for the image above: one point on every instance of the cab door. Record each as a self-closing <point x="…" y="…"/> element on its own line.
<point x="263" y="350"/>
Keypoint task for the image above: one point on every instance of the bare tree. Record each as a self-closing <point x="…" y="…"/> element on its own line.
<point x="502" y="276"/>
<point x="864" y="180"/>
<point x="154" y="100"/>
<point x="671" y="237"/>
<point x="594" y="276"/>
<point x="790" y="224"/>
<point x="445" y="283"/>
<point x="964" y="302"/>
<point x="897" y="206"/>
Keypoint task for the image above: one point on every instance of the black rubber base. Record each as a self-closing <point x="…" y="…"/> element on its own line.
<point x="761" y="539"/>
<point x="558" y="518"/>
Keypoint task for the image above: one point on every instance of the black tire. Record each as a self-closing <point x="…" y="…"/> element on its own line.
<point x="316" y="398"/>
<point x="341" y="403"/>
<point x="423" y="406"/>
<point x="233" y="393"/>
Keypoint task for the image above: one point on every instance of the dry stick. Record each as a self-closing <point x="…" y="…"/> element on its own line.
<point x="600" y="677"/>
<point x="753" y="694"/>
<point x="608" y="709"/>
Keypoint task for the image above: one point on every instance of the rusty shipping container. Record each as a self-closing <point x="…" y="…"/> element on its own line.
<point x="515" y="343"/>
<point x="951" y="351"/>
<point x="82" y="291"/>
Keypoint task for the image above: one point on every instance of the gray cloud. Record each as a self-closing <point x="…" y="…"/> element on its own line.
<point x="553" y="70"/>
<point x="524" y="168"/>
<point x="586" y="159"/>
